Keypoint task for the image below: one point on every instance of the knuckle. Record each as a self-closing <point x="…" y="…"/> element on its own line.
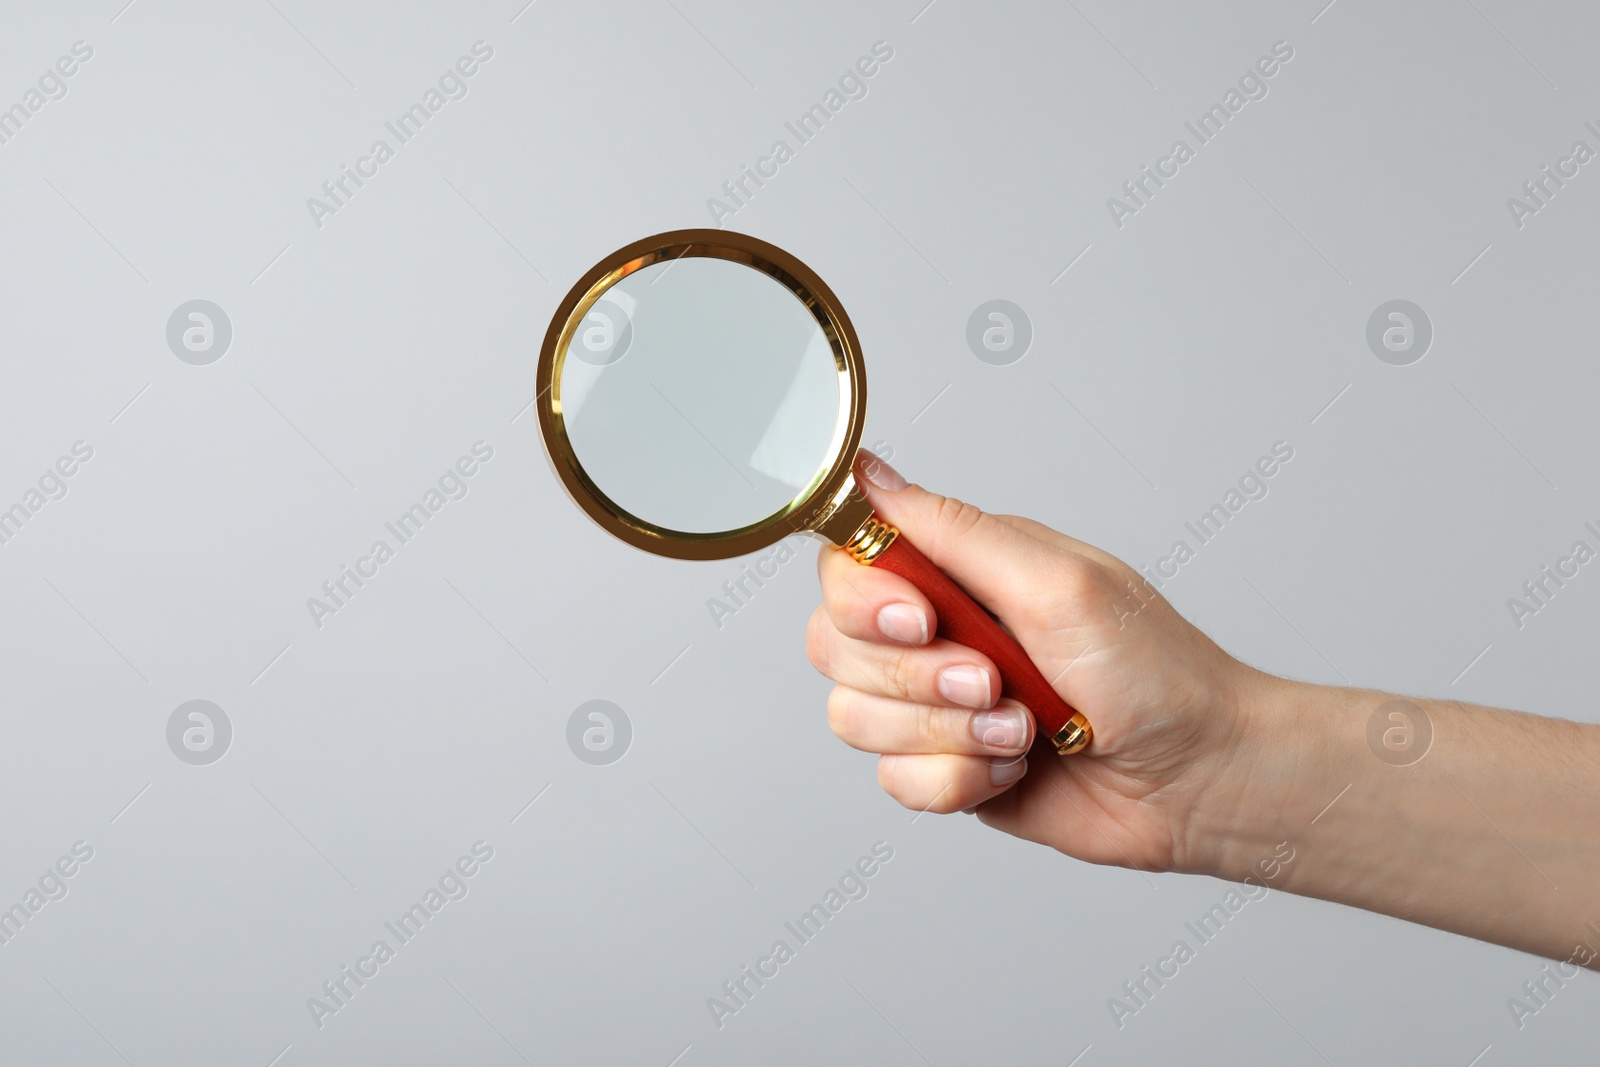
<point x="1081" y="581"/>
<point x="840" y="718"/>
<point x="916" y="792"/>
<point x="818" y="647"/>
<point x="834" y="589"/>
<point x="898" y="671"/>
<point x="891" y="775"/>
<point x="947" y="792"/>
<point x="930" y="728"/>
<point x="1079" y="576"/>
<point x="1108" y="596"/>
<point x="955" y="518"/>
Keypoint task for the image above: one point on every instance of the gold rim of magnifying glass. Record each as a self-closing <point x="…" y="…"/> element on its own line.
<point x="814" y="502"/>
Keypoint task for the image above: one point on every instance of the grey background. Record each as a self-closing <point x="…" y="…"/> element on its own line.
<point x="369" y="354"/>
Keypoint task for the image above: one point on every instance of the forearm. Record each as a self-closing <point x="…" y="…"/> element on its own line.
<point x="1492" y="831"/>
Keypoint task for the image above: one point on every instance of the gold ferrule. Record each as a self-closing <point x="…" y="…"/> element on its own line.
<point x="870" y="541"/>
<point x="1073" y="737"/>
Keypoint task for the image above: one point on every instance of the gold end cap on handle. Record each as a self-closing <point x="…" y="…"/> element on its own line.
<point x="1074" y="736"/>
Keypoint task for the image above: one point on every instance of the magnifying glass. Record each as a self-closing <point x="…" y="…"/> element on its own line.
<point x="701" y="395"/>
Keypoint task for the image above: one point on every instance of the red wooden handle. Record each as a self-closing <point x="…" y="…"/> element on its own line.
<point x="961" y="620"/>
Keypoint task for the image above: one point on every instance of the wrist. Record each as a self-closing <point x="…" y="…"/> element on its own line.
<point x="1459" y="817"/>
<point x="1283" y="752"/>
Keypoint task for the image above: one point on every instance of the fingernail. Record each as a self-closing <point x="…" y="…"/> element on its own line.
<point x="1003" y="770"/>
<point x="905" y="623"/>
<point x="880" y="474"/>
<point x="970" y="811"/>
<point x="1004" y="729"/>
<point x="965" y="685"/>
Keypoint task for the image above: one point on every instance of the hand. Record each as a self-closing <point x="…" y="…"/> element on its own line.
<point x="1166" y="704"/>
<point x="1199" y="763"/>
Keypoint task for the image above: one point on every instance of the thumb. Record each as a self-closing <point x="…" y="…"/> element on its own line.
<point x="997" y="563"/>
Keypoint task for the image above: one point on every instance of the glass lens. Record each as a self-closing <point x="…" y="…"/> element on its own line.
<point x="701" y="395"/>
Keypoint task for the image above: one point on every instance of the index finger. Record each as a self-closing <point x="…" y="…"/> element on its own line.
<point x="873" y="605"/>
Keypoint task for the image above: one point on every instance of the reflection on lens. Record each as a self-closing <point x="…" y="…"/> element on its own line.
<point x="704" y="397"/>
